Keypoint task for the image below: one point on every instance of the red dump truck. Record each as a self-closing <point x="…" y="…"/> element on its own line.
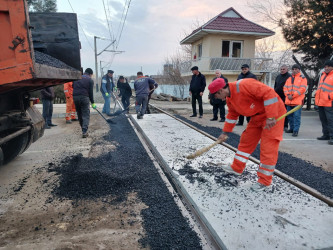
<point x="36" y="50"/>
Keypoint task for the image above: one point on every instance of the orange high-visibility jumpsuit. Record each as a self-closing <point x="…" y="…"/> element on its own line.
<point x="70" y="106"/>
<point x="249" y="97"/>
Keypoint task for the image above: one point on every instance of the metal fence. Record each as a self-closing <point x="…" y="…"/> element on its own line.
<point x="229" y="64"/>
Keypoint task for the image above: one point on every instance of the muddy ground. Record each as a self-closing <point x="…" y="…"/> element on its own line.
<point x="67" y="192"/>
<point x="31" y="217"/>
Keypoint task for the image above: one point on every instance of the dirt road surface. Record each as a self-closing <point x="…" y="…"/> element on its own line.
<point x="32" y="218"/>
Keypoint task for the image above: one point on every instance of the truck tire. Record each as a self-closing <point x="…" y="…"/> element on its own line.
<point x="14" y="147"/>
<point x="1" y="157"/>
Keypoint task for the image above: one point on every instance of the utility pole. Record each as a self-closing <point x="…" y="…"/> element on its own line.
<point x="96" y="69"/>
<point x="97" y="54"/>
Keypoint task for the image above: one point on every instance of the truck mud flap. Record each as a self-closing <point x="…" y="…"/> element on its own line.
<point x="37" y="121"/>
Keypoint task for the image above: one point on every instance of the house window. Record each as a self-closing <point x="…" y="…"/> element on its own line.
<point x="200" y="50"/>
<point x="232" y="49"/>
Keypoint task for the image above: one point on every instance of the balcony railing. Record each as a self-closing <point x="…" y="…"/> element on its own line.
<point x="228" y="64"/>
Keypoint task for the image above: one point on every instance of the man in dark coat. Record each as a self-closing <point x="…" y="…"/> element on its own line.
<point x="125" y="91"/>
<point x="218" y="104"/>
<point x="246" y="73"/>
<point x="47" y="95"/>
<point x="82" y="94"/>
<point x="197" y="88"/>
<point x="280" y="81"/>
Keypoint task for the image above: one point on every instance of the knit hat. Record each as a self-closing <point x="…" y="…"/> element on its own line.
<point x="245" y="66"/>
<point x="295" y="66"/>
<point x="110" y="71"/>
<point x="89" y="71"/>
<point x="121" y="77"/>
<point x="194" y="68"/>
<point x="216" y="85"/>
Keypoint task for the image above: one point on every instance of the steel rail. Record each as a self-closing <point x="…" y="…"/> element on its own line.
<point x="278" y="173"/>
<point x="212" y="236"/>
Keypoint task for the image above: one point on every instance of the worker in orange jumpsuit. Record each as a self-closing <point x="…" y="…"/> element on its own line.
<point x="324" y="101"/>
<point x="251" y="98"/>
<point x="294" y="90"/>
<point x="70" y="106"/>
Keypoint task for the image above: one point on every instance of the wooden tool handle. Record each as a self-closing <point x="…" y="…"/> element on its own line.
<point x="289" y="112"/>
<point x="203" y="150"/>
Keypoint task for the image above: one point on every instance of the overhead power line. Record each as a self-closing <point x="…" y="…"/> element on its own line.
<point x="81" y="26"/>
<point x="107" y="20"/>
<point x="122" y="28"/>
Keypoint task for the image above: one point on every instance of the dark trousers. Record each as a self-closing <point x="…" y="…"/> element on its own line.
<point x="241" y="119"/>
<point x="125" y="101"/>
<point x="326" y="118"/>
<point x="220" y="106"/>
<point x="148" y="110"/>
<point x="83" y="111"/>
<point x="286" y="120"/>
<point x="47" y="111"/>
<point x="195" y="97"/>
<point x="141" y="104"/>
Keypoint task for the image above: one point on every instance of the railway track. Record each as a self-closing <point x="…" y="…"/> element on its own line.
<point x="208" y="230"/>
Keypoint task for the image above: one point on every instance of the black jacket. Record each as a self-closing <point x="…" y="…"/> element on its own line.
<point x="84" y="87"/>
<point x="213" y="100"/>
<point x="125" y="89"/>
<point x="198" y="83"/>
<point x="280" y="81"/>
<point x="47" y="93"/>
<point x="249" y="74"/>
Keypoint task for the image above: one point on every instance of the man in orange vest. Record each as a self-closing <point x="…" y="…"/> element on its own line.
<point x="70" y="106"/>
<point x="249" y="97"/>
<point x="294" y="90"/>
<point x="324" y="101"/>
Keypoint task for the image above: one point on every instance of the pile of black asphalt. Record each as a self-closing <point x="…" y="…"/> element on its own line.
<point x="48" y="60"/>
<point x="117" y="173"/>
<point x="301" y="170"/>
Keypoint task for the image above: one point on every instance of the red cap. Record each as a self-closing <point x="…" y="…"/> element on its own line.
<point x="216" y="85"/>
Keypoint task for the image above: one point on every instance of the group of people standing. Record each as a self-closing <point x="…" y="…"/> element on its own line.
<point x="263" y="106"/>
<point x="79" y="95"/>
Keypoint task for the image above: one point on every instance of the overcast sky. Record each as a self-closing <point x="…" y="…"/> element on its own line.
<point x="152" y="30"/>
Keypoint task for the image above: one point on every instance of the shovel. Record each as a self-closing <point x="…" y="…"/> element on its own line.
<point x="119" y="112"/>
<point x="107" y="120"/>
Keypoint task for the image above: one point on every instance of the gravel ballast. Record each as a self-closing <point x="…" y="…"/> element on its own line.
<point x="121" y="171"/>
<point x="297" y="168"/>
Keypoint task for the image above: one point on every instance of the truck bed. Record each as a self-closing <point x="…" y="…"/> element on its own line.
<point x="37" y="52"/>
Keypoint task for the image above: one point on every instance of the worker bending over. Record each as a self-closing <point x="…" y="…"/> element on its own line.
<point x="249" y="97"/>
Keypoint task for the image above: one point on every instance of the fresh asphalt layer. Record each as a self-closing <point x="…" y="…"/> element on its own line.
<point x="121" y="171"/>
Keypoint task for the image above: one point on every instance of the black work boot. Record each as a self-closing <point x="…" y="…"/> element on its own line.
<point x="330" y="142"/>
<point x="323" y="138"/>
<point x="295" y="133"/>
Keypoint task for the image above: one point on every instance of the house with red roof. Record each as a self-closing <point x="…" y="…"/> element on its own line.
<point x="226" y="42"/>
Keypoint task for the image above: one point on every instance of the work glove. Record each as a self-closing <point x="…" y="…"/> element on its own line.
<point x="115" y="89"/>
<point x="93" y="105"/>
<point x="106" y="94"/>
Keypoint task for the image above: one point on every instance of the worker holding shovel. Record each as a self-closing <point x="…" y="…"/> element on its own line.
<point x="251" y="98"/>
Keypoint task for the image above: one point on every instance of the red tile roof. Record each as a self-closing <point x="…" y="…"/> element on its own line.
<point x="231" y="21"/>
<point x="235" y="24"/>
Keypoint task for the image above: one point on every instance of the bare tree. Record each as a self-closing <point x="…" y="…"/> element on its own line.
<point x="173" y="66"/>
<point x="268" y="11"/>
<point x="271" y="47"/>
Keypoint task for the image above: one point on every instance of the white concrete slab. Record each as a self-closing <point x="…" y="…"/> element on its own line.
<point x="283" y="217"/>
